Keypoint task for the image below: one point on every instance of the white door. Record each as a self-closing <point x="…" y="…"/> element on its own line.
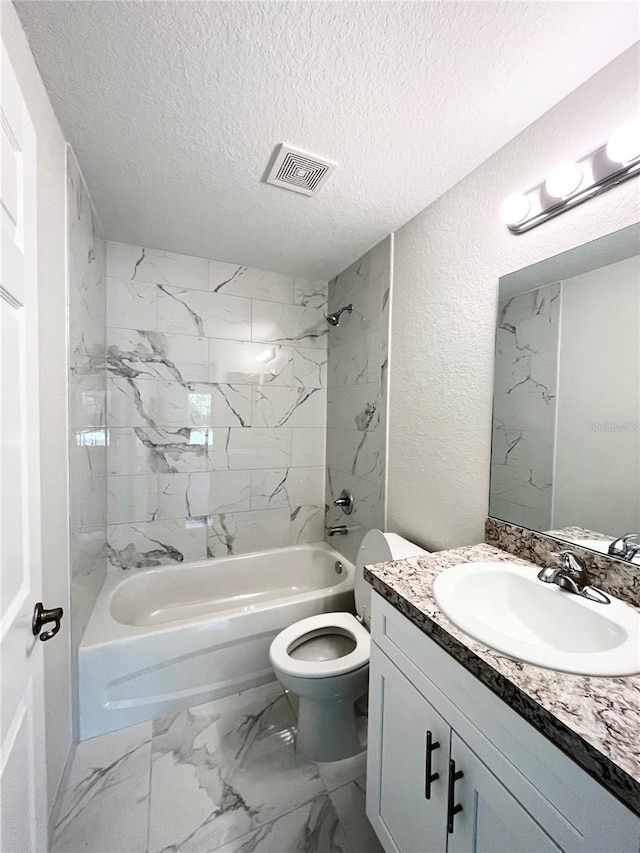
<point x="23" y="806"/>
<point x="490" y="819"/>
<point x="408" y="760"/>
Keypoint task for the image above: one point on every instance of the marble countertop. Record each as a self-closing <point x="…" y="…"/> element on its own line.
<point x="596" y="721"/>
<point x="578" y="533"/>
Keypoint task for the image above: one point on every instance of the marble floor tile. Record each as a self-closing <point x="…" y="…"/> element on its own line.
<point x="223" y="777"/>
<point x="105" y="805"/>
<point x="334" y="774"/>
<point x="222" y="769"/>
<point x="349" y="803"/>
<point x="313" y="828"/>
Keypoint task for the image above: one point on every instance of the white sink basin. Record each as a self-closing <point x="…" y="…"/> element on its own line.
<point x="507" y="608"/>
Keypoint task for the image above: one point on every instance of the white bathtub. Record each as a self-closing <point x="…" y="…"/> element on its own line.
<point x="166" y="638"/>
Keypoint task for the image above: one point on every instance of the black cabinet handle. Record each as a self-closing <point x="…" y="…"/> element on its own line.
<point x="429" y="777"/>
<point x="452" y="809"/>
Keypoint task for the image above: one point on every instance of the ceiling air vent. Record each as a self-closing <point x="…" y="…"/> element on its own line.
<point x="300" y="171"/>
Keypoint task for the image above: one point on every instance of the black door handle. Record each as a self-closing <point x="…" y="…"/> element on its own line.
<point x="452" y="809"/>
<point x="429" y="777"/>
<point x="42" y="617"/>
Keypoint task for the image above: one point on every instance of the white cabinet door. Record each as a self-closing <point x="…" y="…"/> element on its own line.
<point x="406" y="808"/>
<point x="23" y="804"/>
<point x="491" y="820"/>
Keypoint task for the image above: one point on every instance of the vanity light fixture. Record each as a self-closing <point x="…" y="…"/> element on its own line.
<point x="564" y="180"/>
<point x="514" y="209"/>
<point x="624" y="143"/>
<point x="569" y="184"/>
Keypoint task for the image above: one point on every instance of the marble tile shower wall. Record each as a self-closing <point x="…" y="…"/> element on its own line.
<point x="524" y="412"/>
<point x="216" y="408"/>
<point x="87" y="386"/>
<point x="357" y="394"/>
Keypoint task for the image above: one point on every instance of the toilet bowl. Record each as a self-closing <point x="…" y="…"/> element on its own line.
<point x="324" y="661"/>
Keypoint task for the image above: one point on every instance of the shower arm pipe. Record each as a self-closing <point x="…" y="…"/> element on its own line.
<point x="334" y="318"/>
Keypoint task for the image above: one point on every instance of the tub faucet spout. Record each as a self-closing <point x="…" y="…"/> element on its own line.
<point x="340" y="530"/>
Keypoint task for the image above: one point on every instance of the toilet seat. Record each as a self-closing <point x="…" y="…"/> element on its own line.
<point x="359" y="657"/>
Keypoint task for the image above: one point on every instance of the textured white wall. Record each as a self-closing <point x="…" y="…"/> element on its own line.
<point x="448" y="261"/>
<point x="53" y="388"/>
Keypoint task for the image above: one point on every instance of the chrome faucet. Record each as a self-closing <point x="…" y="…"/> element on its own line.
<point x="571" y="576"/>
<point x="632" y="553"/>
<point x="340" y="530"/>
<point x="623" y="548"/>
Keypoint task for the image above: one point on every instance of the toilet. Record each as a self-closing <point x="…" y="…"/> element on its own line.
<point x="324" y="660"/>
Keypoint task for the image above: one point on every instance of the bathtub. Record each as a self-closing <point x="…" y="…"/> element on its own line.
<point x="166" y="638"/>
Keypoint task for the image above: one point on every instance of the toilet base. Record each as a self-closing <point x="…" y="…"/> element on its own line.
<point x="329" y="731"/>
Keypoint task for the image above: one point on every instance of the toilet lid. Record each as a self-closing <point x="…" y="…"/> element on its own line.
<point x="378" y="547"/>
<point x="359" y="657"/>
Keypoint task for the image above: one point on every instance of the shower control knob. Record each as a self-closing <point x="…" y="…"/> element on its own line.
<point x="345" y="502"/>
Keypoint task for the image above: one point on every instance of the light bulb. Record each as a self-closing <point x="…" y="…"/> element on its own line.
<point x="514" y="209"/>
<point x="624" y="143"/>
<point x="564" y="180"/>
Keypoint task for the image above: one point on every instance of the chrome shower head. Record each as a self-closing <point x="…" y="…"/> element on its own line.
<point x="334" y="319"/>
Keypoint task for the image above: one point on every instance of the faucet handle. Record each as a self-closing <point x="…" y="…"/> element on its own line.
<point x="619" y="547"/>
<point x="549" y="574"/>
<point x="571" y="563"/>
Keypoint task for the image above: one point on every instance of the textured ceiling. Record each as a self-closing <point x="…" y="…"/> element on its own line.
<point x="174" y="110"/>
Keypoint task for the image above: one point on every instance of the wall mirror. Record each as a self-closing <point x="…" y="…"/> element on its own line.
<point x="566" y="406"/>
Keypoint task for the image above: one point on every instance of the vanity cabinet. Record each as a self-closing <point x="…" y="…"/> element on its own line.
<point x="413" y="742"/>
<point x="429" y="719"/>
<point x="414" y="787"/>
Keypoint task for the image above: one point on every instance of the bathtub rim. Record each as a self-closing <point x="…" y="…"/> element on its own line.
<point x="103" y="629"/>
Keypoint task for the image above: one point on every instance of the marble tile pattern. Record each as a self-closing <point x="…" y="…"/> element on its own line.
<point x="593" y="720"/>
<point x="524" y="407"/>
<point x="87" y="397"/>
<point x="224" y="776"/>
<point x="357" y="394"/>
<point x="215" y="407"/>
<point x="616" y="577"/>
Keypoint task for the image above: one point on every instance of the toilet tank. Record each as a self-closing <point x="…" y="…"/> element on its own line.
<point x="378" y="547"/>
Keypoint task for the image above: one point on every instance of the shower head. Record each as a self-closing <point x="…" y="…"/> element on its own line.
<point x="334" y="319"/>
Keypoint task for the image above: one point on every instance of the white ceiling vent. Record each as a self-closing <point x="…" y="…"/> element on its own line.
<point x="300" y="171"/>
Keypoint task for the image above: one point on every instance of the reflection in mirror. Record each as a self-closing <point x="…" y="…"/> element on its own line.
<point x="566" y="417"/>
